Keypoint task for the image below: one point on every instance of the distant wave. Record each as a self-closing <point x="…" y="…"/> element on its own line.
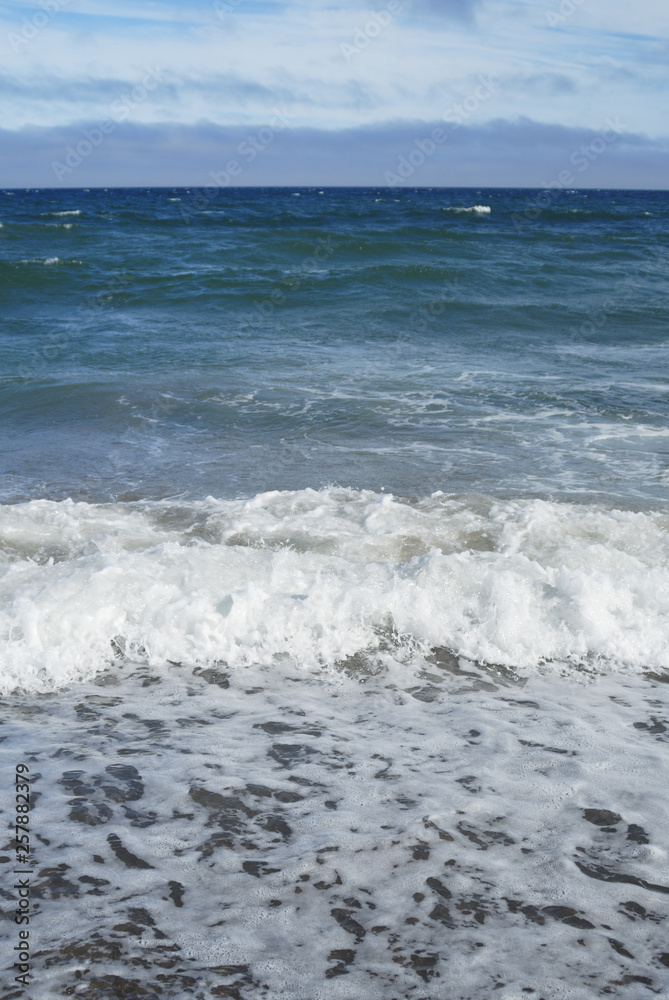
<point x="47" y="262"/>
<point x="478" y="209"/>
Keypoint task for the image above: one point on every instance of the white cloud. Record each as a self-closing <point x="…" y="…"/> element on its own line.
<point x="412" y="60"/>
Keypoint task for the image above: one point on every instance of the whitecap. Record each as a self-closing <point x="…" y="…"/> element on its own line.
<point x="478" y="209"/>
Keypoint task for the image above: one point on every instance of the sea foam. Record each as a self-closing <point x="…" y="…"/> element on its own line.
<point x="317" y="577"/>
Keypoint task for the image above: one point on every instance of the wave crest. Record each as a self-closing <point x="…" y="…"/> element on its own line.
<point x="316" y="577"/>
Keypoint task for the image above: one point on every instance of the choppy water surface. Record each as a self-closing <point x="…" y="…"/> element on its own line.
<point x="334" y="592"/>
<point x="280" y="339"/>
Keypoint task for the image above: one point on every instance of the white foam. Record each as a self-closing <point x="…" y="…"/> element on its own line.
<point x="479" y="209"/>
<point x="316" y="577"/>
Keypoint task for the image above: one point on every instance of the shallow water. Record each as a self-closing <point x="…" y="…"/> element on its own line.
<point x="449" y="831"/>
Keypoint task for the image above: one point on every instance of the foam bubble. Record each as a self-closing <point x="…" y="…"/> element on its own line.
<point x="315" y="578"/>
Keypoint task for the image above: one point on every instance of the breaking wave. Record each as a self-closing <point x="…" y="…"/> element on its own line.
<point x="318" y="577"/>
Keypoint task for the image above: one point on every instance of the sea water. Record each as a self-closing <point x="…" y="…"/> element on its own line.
<point x="334" y="591"/>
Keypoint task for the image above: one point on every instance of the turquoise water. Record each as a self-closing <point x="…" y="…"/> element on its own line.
<point x="169" y="343"/>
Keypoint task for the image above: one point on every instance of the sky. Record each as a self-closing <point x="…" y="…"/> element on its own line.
<point x="396" y="92"/>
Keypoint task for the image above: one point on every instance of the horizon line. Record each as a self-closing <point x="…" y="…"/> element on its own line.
<point x="329" y="187"/>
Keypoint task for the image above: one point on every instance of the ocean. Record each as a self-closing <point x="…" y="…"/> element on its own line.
<point x="334" y="592"/>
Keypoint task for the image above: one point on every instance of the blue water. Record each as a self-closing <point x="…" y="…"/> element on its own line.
<point x="174" y="343"/>
<point x="334" y="591"/>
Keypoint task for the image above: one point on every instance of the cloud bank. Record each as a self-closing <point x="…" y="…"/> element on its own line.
<point x="498" y="154"/>
<point x="516" y="85"/>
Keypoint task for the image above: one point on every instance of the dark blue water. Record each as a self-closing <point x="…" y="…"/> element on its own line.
<point x="161" y="342"/>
